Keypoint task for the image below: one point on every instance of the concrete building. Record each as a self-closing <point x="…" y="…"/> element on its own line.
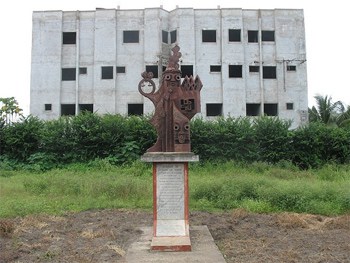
<point x="251" y="62"/>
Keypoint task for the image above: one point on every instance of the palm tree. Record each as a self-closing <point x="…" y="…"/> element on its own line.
<point x="327" y="112"/>
<point x="344" y="118"/>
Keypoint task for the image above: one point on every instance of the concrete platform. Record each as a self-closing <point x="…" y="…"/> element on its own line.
<point x="204" y="249"/>
<point x="171" y="243"/>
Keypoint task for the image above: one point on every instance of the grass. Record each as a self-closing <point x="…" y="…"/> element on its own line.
<point x="256" y="187"/>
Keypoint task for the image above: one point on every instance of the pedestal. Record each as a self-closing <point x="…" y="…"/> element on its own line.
<point x="170" y="200"/>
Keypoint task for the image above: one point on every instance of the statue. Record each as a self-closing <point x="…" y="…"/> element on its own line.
<point x="175" y="105"/>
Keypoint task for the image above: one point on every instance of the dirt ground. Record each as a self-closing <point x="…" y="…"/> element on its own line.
<point x="105" y="235"/>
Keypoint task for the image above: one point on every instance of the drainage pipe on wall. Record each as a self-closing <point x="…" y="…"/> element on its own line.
<point x="261" y="68"/>
<point x="77" y="54"/>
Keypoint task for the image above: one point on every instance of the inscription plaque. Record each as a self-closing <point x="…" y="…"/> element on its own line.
<point x="170" y="191"/>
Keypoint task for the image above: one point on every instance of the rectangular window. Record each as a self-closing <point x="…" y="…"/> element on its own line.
<point x="135" y="109"/>
<point x="234" y="35"/>
<point x="165" y="35"/>
<point x="291" y="68"/>
<point x="254" y="68"/>
<point x="187" y="70"/>
<point x="153" y="69"/>
<point x="253" y="36"/>
<point x="214" y="109"/>
<point x="107" y="72"/>
<point x="68" y="74"/>
<point x="120" y="69"/>
<point x="82" y="71"/>
<point x="86" y="108"/>
<point x="269" y="72"/>
<point x="215" y="68"/>
<point x="253" y="109"/>
<point x="173" y="36"/>
<point x="271" y="109"/>
<point x="131" y="36"/>
<point x="290" y="106"/>
<point x="235" y="71"/>
<point x="69" y="38"/>
<point x="67" y="109"/>
<point x="268" y="35"/>
<point x="208" y="35"/>
<point x="48" y="107"/>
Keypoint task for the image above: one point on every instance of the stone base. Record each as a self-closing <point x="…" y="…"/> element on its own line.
<point x="175" y="244"/>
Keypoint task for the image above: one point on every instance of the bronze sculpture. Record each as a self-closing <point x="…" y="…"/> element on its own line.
<point x="175" y="105"/>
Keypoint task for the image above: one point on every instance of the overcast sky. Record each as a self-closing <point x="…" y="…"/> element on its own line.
<point x="326" y="22"/>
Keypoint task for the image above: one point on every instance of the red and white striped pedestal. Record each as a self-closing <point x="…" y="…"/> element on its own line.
<point x="170" y="200"/>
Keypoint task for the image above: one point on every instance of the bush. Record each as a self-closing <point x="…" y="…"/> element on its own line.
<point x="22" y="139"/>
<point x="223" y="139"/>
<point x="272" y="138"/>
<point x="317" y="144"/>
<point x="119" y="140"/>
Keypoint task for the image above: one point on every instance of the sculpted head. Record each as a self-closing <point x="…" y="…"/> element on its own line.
<point x="171" y="79"/>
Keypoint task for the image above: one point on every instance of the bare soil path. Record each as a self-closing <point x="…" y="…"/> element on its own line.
<point x="105" y="235"/>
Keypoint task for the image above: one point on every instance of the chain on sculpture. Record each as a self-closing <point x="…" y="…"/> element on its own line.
<point x="175" y="105"/>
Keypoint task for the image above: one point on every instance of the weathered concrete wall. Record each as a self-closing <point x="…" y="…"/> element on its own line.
<point x="100" y="43"/>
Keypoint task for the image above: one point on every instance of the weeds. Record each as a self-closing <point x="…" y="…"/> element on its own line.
<point x="256" y="187"/>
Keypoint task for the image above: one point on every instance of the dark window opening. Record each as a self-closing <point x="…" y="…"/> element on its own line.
<point x="68" y="74"/>
<point x="67" y="109"/>
<point x="165" y="35"/>
<point x="69" y="37"/>
<point x="291" y="68"/>
<point x="253" y="109"/>
<point x="215" y="68"/>
<point x="131" y="36"/>
<point x="271" y="109"/>
<point x="48" y="107"/>
<point x="235" y="71"/>
<point x="135" y="109"/>
<point x="82" y="71"/>
<point x="173" y="36"/>
<point x="253" y="36"/>
<point x="208" y="35"/>
<point x="153" y="69"/>
<point x="86" y="108"/>
<point x="254" y="68"/>
<point x="214" y="109"/>
<point x="269" y="72"/>
<point x="234" y="35"/>
<point x="290" y="106"/>
<point x="120" y="69"/>
<point x="107" y="72"/>
<point x="268" y="35"/>
<point x="163" y="68"/>
<point x="187" y="70"/>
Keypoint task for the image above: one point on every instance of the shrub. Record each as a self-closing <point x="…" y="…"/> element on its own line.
<point x="272" y="138"/>
<point x="22" y="139"/>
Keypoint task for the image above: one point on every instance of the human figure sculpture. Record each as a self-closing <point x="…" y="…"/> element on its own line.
<point x="175" y="105"/>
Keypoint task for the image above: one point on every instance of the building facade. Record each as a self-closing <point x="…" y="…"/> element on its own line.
<point x="251" y="62"/>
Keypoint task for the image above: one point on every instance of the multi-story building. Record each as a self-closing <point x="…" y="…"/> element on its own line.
<point x="251" y="62"/>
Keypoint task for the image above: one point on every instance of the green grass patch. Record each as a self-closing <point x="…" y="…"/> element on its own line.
<point x="256" y="187"/>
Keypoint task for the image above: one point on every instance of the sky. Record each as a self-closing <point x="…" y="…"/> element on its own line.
<point x="326" y="25"/>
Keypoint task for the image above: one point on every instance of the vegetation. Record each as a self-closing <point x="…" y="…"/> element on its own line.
<point x="43" y="145"/>
<point x="257" y="187"/>
<point x="329" y="112"/>
<point x="90" y="161"/>
<point x="9" y="110"/>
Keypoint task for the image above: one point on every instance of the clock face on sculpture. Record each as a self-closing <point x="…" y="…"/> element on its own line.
<point x="175" y="105"/>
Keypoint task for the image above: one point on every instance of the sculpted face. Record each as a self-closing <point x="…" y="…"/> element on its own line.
<point x="172" y="79"/>
<point x="182" y="132"/>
